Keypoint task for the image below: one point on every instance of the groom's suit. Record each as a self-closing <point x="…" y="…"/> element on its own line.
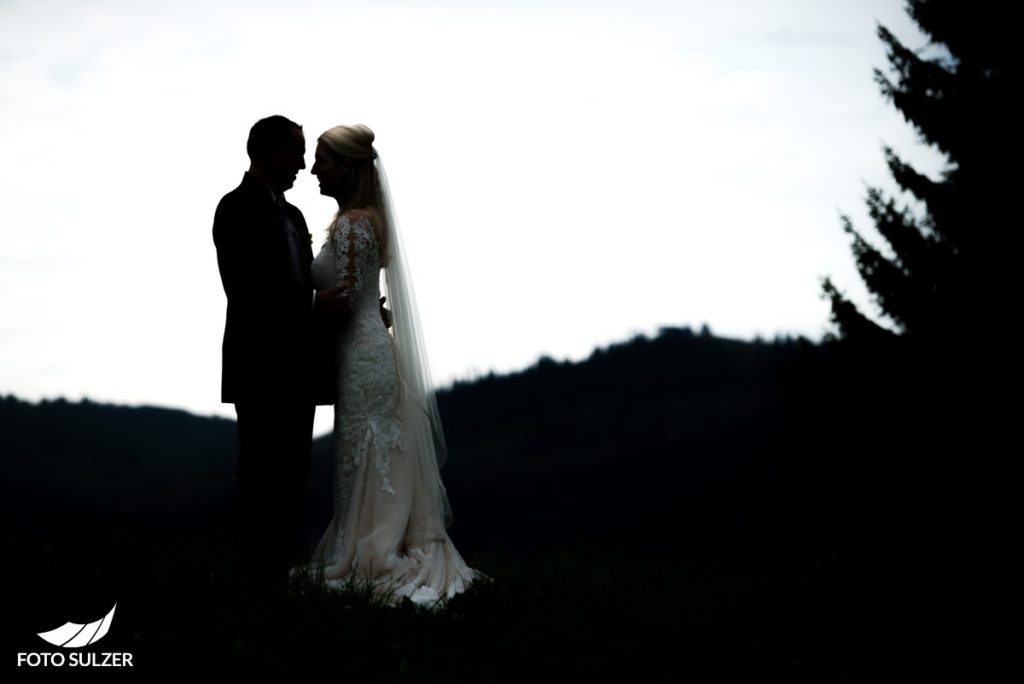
<point x="270" y="295"/>
<point x="264" y="256"/>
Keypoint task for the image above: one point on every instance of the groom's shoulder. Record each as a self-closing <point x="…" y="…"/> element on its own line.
<point x="230" y="204"/>
<point x="243" y="192"/>
<point x="243" y="199"/>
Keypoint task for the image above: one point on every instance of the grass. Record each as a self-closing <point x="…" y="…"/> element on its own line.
<point x="577" y="612"/>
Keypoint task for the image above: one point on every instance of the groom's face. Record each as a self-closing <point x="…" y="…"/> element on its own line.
<point x="288" y="158"/>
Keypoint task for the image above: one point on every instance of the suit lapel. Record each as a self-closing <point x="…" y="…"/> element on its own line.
<point x="278" y="231"/>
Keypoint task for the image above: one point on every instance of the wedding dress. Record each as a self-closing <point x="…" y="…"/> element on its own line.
<point x="389" y="504"/>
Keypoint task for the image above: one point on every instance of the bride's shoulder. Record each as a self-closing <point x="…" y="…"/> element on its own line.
<point x="369" y="213"/>
<point x="365" y="216"/>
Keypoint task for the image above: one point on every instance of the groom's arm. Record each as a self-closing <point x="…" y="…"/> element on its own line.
<point x="246" y="262"/>
<point x="331" y="312"/>
<point x="333" y="301"/>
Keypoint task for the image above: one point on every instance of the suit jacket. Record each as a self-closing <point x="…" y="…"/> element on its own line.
<point x="269" y="327"/>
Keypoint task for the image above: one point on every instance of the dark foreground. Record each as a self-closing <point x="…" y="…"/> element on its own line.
<point x="577" y="612"/>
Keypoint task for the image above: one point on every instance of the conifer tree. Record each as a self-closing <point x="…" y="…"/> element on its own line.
<point x="948" y="275"/>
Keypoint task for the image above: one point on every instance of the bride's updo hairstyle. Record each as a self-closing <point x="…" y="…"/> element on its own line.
<point x="352" y="146"/>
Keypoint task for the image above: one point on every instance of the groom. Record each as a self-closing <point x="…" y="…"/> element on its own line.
<point x="264" y="256"/>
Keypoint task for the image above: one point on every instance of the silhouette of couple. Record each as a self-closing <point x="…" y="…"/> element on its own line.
<point x="301" y="331"/>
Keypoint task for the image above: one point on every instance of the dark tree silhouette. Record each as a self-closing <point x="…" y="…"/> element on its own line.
<point x="915" y="417"/>
<point x="949" y="274"/>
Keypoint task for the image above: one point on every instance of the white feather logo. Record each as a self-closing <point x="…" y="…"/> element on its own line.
<point x="73" y="635"/>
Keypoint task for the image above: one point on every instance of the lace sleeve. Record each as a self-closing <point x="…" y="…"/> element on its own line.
<point x="353" y="245"/>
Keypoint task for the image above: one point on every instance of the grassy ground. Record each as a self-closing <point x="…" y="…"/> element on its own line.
<point x="576" y="612"/>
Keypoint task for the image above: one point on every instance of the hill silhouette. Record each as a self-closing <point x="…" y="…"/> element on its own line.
<point x="712" y="441"/>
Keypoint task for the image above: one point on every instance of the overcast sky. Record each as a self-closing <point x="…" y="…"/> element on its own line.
<point x="566" y="174"/>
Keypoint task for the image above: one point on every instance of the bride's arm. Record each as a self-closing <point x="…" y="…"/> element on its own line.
<point x="353" y="240"/>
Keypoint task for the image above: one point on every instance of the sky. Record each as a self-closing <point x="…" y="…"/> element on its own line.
<point x="565" y="174"/>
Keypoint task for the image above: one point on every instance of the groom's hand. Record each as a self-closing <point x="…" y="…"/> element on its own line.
<point x="335" y="299"/>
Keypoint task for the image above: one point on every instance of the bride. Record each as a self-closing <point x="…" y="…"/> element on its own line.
<point x="390" y="507"/>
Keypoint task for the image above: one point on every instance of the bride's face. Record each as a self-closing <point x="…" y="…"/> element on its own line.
<point x="329" y="171"/>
